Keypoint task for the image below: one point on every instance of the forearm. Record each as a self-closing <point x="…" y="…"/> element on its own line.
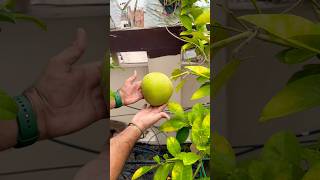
<point x="120" y="148"/>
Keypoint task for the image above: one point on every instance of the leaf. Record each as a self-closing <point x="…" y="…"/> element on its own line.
<point x="285" y="26"/>
<point x="296" y="96"/>
<point x="201" y="132"/>
<point x="188" y="158"/>
<point x="254" y="2"/>
<point x="157" y="159"/>
<point x="173" y="146"/>
<point x="7" y="17"/>
<point x="223" y="76"/>
<point x="294" y="56"/>
<point x="183" y="134"/>
<point x="141" y="171"/>
<point x="204" y="17"/>
<point x="36" y="21"/>
<point x="201" y="79"/>
<point x="175" y="108"/>
<point x="200" y="71"/>
<point x="180" y="85"/>
<point x="223" y="158"/>
<point x="203" y="91"/>
<point x="309" y="69"/>
<point x="176" y="74"/>
<point x="313" y="173"/>
<point x="10" y="4"/>
<point x="172" y="125"/>
<point x="181" y="172"/>
<point x="186" y="21"/>
<point x="311" y="156"/>
<point x="8" y="107"/>
<point x="163" y="172"/>
<point x="187" y="46"/>
<point x="283" y="146"/>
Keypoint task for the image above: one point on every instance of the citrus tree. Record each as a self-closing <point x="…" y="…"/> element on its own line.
<point x="282" y="157"/>
<point x="8" y="107"/>
<point x="195" y="123"/>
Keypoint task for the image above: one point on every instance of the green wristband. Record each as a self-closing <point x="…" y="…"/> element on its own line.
<point x="117" y="99"/>
<point x="28" y="132"/>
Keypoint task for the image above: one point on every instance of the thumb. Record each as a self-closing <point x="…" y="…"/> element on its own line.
<point x="73" y="53"/>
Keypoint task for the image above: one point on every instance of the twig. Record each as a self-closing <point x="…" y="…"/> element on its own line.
<point x="197" y="170"/>
<point x="256" y="6"/>
<point x="227" y="41"/>
<point x="244" y="43"/>
<point x="203" y="53"/>
<point x="228" y="11"/>
<point x="295" y="5"/>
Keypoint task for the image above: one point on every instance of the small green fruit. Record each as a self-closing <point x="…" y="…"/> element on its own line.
<point x="157" y="88"/>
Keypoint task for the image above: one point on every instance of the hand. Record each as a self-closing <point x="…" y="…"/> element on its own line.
<point x="130" y="92"/>
<point x="148" y="116"/>
<point x="68" y="97"/>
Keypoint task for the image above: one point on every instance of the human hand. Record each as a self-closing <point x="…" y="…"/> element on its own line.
<point x="131" y="92"/>
<point x="148" y="116"/>
<point x="68" y="97"/>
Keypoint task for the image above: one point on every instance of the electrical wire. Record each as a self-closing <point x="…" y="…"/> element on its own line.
<point x="74" y="146"/>
<point x="40" y="170"/>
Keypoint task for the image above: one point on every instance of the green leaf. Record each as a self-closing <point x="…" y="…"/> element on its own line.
<point x="186" y="21"/>
<point x="36" y="21"/>
<point x="7" y="17"/>
<point x="173" y="146"/>
<point x="180" y="85"/>
<point x="176" y="74"/>
<point x="285" y="26"/>
<point x="10" y="4"/>
<point x="8" y="107"/>
<point x="188" y="158"/>
<point x="200" y="135"/>
<point x="141" y="171"/>
<point x="200" y="71"/>
<point x="181" y="172"/>
<point x="157" y="159"/>
<point x="203" y="18"/>
<point x="175" y="108"/>
<point x="297" y="96"/>
<point x="223" y="157"/>
<point x="283" y="146"/>
<point x="294" y="56"/>
<point x="202" y="80"/>
<point x="183" y="134"/>
<point x="163" y="172"/>
<point x="203" y="91"/>
<point x="313" y="173"/>
<point x="308" y="70"/>
<point x="172" y="125"/>
<point x="223" y="76"/>
<point x="187" y="46"/>
<point x="311" y="156"/>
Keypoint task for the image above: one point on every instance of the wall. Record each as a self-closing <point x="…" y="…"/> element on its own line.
<point x="24" y="52"/>
<point x="256" y="81"/>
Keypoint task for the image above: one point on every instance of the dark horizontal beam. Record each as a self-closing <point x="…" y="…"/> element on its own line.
<point x="156" y="41"/>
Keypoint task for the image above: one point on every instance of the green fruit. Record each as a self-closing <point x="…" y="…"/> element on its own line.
<point x="157" y="88"/>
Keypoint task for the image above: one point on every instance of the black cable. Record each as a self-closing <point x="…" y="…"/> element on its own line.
<point x="74" y="146"/>
<point x="40" y="170"/>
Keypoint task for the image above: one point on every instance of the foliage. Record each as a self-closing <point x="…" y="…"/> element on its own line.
<point x="8" y="107"/>
<point x="195" y="123"/>
<point x="282" y="157"/>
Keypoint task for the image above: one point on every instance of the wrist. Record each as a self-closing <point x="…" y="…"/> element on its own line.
<point x="121" y="93"/>
<point x="38" y="108"/>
